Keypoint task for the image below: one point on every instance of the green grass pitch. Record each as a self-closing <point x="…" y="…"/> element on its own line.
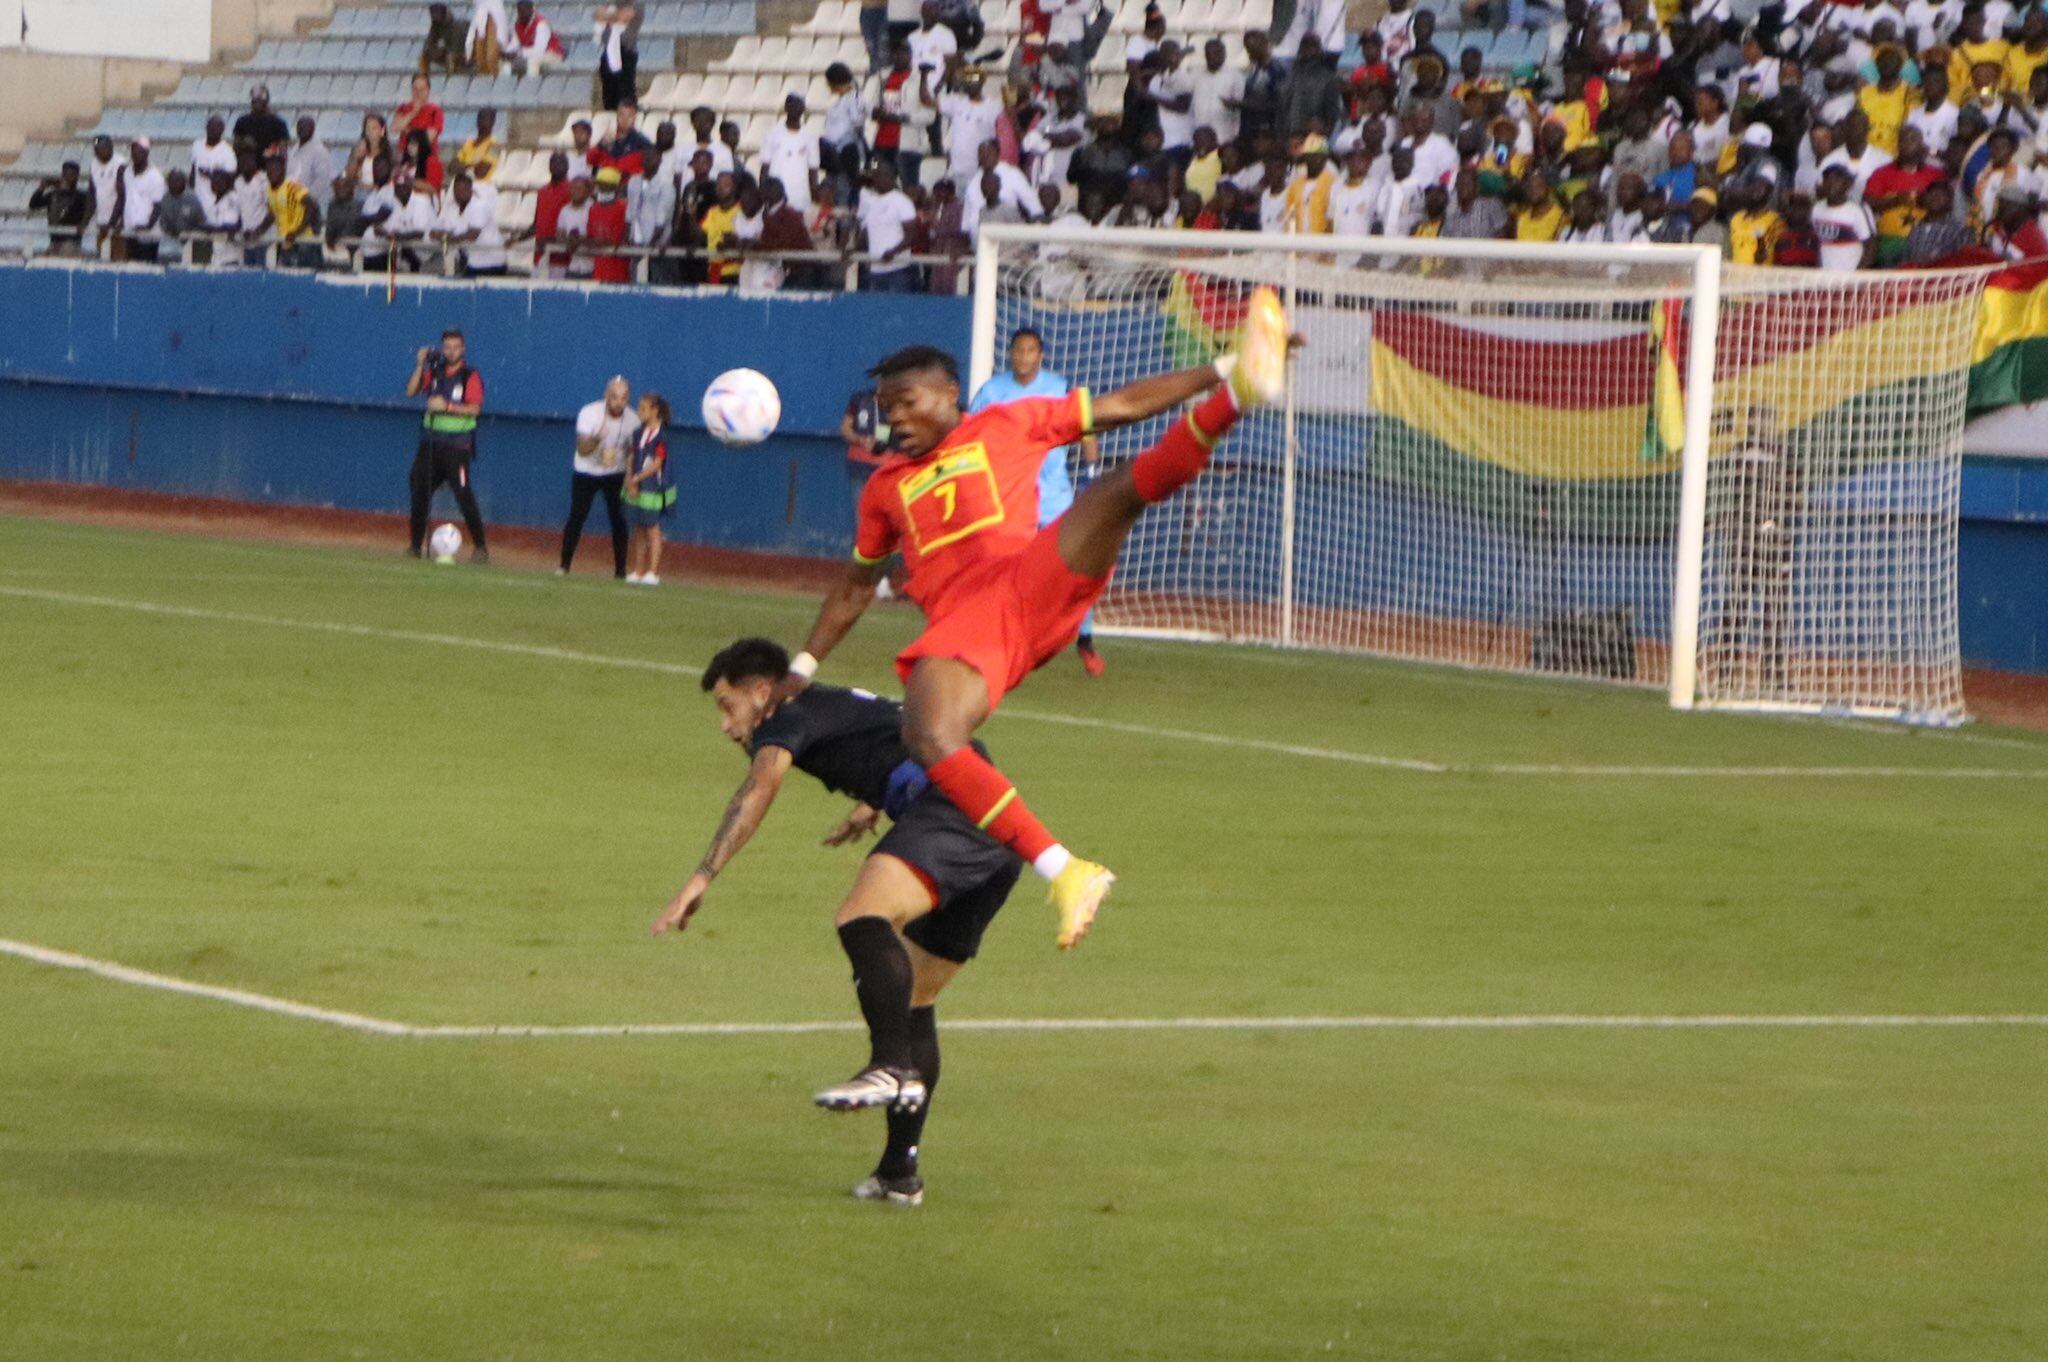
<point x="370" y="815"/>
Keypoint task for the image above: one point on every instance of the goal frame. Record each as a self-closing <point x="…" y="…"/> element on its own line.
<point x="1703" y="264"/>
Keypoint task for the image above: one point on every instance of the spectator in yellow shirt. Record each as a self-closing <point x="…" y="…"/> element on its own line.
<point x="1973" y="49"/>
<point x="1308" y="193"/>
<point x="1205" y="166"/>
<point x="479" y="155"/>
<point x="1539" y="217"/>
<point x="1754" y="228"/>
<point x="1886" y="101"/>
<point x="293" y="216"/>
<point x="2029" y="54"/>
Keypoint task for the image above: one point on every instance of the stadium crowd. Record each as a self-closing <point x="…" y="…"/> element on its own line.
<point x="1835" y="136"/>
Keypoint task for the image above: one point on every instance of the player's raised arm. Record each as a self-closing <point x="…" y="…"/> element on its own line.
<point x="842" y="608"/>
<point x="743" y="815"/>
<point x="1150" y="396"/>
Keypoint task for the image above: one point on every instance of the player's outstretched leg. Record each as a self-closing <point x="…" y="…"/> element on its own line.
<point x="944" y="701"/>
<point x="1093" y="530"/>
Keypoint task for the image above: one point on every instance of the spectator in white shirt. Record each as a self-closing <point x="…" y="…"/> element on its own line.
<point x="886" y="216"/>
<point x="412" y="219"/>
<point x="1172" y="91"/>
<point x="140" y="194"/>
<point x="605" y="431"/>
<point x="1847" y="232"/>
<point x="1013" y="191"/>
<point x="933" y="45"/>
<point x="1936" y="116"/>
<point x="1218" y="89"/>
<point x="1273" y="197"/>
<point x="1049" y="146"/>
<point x="1351" y="198"/>
<point x="469" y="223"/>
<point x="704" y="138"/>
<point x="572" y="228"/>
<point x="789" y="153"/>
<point x="1400" y="200"/>
<point x="311" y="163"/>
<point x="846" y="120"/>
<point x="970" y="114"/>
<point x="1396" y="31"/>
<point x="1856" y="152"/>
<point x="531" y="47"/>
<point x="212" y="152"/>
<point x="104" y="174"/>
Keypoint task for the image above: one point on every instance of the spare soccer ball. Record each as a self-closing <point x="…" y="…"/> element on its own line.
<point x="741" y="407"/>
<point x="446" y="543"/>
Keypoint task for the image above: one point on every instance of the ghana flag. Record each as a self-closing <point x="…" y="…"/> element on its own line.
<point x="2010" y="360"/>
<point x="1583" y="419"/>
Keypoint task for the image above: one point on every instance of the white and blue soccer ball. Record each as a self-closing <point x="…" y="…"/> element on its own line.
<point x="741" y="407"/>
<point x="446" y="543"/>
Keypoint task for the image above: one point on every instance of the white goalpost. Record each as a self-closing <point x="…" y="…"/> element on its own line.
<point x="1620" y="462"/>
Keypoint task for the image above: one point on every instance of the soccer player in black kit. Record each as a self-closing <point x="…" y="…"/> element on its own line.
<point x="918" y="909"/>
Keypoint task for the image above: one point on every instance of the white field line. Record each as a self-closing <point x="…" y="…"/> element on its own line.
<point x="1352" y="758"/>
<point x="355" y="1021"/>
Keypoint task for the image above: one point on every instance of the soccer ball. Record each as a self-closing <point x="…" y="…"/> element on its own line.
<point x="741" y="407"/>
<point x="446" y="543"/>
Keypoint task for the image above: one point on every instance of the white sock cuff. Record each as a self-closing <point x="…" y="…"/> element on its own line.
<point x="1052" y="861"/>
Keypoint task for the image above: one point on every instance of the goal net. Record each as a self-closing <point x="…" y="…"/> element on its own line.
<point x="1623" y="462"/>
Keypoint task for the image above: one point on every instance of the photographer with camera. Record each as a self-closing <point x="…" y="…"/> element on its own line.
<point x="455" y="395"/>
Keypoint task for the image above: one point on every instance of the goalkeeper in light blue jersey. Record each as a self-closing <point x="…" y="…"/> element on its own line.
<point x="1027" y="376"/>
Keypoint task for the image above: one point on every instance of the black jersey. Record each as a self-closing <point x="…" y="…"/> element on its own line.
<point x="851" y="740"/>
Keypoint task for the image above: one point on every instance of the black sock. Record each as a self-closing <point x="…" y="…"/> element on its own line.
<point x="881" y="980"/>
<point x="1086" y="643"/>
<point x="906" y="1128"/>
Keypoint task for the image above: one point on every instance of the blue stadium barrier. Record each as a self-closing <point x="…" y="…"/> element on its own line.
<point x="289" y="389"/>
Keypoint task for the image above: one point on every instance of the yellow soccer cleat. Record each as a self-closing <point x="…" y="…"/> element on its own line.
<point x="1077" y="895"/>
<point x="1260" y="375"/>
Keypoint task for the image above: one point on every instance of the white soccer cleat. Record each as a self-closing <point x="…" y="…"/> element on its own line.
<point x="1259" y="375"/>
<point x="896" y="1089"/>
<point x="896" y="1191"/>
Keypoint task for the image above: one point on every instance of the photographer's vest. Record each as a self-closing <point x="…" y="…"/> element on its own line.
<point x="447" y="427"/>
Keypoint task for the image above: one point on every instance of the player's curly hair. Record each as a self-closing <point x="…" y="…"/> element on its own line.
<point x="913" y="359"/>
<point x="745" y="660"/>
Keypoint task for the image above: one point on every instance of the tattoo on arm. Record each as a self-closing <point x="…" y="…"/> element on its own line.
<point x="732" y="833"/>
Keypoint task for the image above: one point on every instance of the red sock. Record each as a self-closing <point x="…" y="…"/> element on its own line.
<point x="986" y="795"/>
<point x="1183" y="452"/>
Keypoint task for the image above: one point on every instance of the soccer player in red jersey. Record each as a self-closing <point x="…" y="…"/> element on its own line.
<point x="1001" y="596"/>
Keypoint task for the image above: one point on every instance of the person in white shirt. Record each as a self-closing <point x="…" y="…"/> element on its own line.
<point x="1710" y="128"/>
<point x="1273" y="197"/>
<point x="605" y="431"/>
<point x="933" y="45"/>
<point x="846" y="121"/>
<point x="104" y="173"/>
<point x="1396" y="33"/>
<point x="311" y="163"/>
<point x="651" y="207"/>
<point x="140" y="191"/>
<point x="212" y="152"/>
<point x="1052" y="140"/>
<point x="531" y="46"/>
<point x="970" y="116"/>
<point x="1856" y="152"/>
<point x="1014" y="192"/>
<point x="789" y="153"/>
<point x="413" y="218"/>
<point x="1066" y="20"/>
<point x="1931" y="22"/>
<point x="1352" y="198"/>
<point x="1936" y="116"/>
<point x="758" y="274"/>
<point x="704" y="138"/>
<point x="1173" y="92"/>
<point x="886" y="215"/>
<point x="572" y="226"/>
<point x="469" y="222"/>
<point x="1436" y="158"/>
<point x="1399" y="205"/>
<point x="1218" y="89"/>
<point x="1847" y="232"/>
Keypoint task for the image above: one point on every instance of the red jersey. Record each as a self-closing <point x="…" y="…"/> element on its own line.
<point x="971" y="500"/>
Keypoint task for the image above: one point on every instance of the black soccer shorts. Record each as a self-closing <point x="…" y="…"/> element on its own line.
<point x="970" y="872"/>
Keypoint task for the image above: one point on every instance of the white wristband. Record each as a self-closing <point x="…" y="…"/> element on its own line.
<point x="804" y="665"/>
